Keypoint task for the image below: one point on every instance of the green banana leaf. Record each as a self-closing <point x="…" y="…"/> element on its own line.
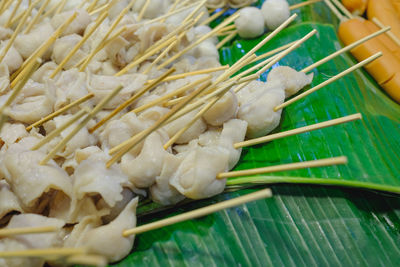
<point x="301" y="225"/>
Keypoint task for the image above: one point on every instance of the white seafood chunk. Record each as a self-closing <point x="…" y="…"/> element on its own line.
<point x="4" y="78"/>
<point x="275" y="12"/>
<point x="117" y="131"/>
<point x="71" y="85"/>
<point x="234" y="131"/>
<point x="216" y="3"/>
<point x="150" y="34"/>
<point x="144" y="169"/>
<point x="240" y="3"/>
<point x="293" y="80"/>
<point x="80" y="140"/>
<point x="193" y="132"/>
<point x="127" y="196"/>
<point x="9" y="244"/>
<point x="205" y="49"/>
<point x="26" y="44"/>
<point x="107" y="240"/>
<point x="257" y="101"/>
<point x="12" y="59"/>
<point x="116" y="51"/>
<point x="223" y="110"/>
<point x="5" y="33"/>
<point x="45" y="240"/>
<point x="77" y="26"/>
<point x="102" y="85"/>
<point x="8" y="201"/>
<point x="28" y="179"/>
<point x="63" y="46"/>
<point x="153" y="10"/>
<point x="196" y="175"/>
<point x="42" y="74"/>
<point x="250" y="24"/>
<point x="11" y="132"/>
<point x="204" y="29"/>
<point x="92" y="177"/>
<point x="162" y="192"/>
<point x="33" y="103"/>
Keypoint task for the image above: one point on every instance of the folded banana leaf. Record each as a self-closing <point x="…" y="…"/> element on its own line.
<point x="302" y="225"/>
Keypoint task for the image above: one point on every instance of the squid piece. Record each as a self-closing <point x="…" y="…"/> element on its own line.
<point x="8" y="201"/>
<point x="37" y="241"/>
<point x="143" y="170"/>
<point x="101" y="86"/>
<point x="275" y="12"/>
<point x="42" y="74"/>
<point x="195" y="177"/>
<point x="250" y="24"/>
<point x="5" y="33"/>
<point x="234" y="131"/>
<point x="107" y="240"/>
<point x="13" y="59"/>
<point x="162" y="192"/>
<point x="9" y="244"/>
<point x="35" y="101"/>
<point x="193" y="132"/>
<point x="63" y="46"/>
<point x="12" y="132"/>
<point x="29" y="180"/>
<point x="153" y="10"/>
<point x="257" y="101"/>
<point x="223" y="110"/>
<point x="81" y="140"/>
<point x="293" y="80"/>
<point x="71" y="86"/>
<point x="4" y="78"/>
<point x="204" y="29"/>
<point x="92" y="177"/>
<point x="26" y="44"/>
<point x="216" y="3"/>
<point x="151" y="33"/>
<point x="77" y="26"/>
<point x="205" y="49"/>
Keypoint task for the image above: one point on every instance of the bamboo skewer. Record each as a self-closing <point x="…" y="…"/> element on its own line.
<point x="60" y="111"/>
<point x="201" y="39"/>
<point x="344" y="49"/>
<point x="273" y="52"/>
<point x="304" y="129"/>
<point x="160" y="18"/>
<point x="5" y="5"/>
<point x="132" y="99"/>
<point x="47" y="252"/>
<point x="79" y="45"/>
<point x="171" y="94"/>
<point x="193" y="73"/>
<point x="17" y="90"/>
<point x="389" y="33"/>
<point x="194" y="11"/>
<point x="37" y="16"/>
<point x="17" y="30"/>
<point x="334" y="78"/>
<point x="27" y="230"/>
<point x="60" y="7"/>
<point x="260" y="194"/>
<point x="132" y="142"/>
<point x="144" y="8"/>
<point x="199" y="114"/>
<point x="42" y="49"/>
<point x="112" y="28"/>
<point x="227" y="39"/>
<point x="227" y="29"/>
<point x="267" y="39"/>
<point x="302" y="4"/>
<point x="60" y="129"/>
<point x="92" y="5"/>
<point x="343" y="9"/>
<point x="82" y="124"/>
<point x="278" y="57"/>
<point x="214" y="16"/>
<point x="335" y="11"/>
<point x="12" y="15"/>
<point x="285" y="167"/>
<point x="161" y="56"/>
<point x="88" y="260"/>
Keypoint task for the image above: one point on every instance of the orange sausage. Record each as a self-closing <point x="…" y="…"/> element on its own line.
<point x="383" y="38"/>
<point x="385" y="11"/>
<point x="383" y="68"/>
<point x="392" y="87"/>
<point x="396" y="4"/>
<point x="356" y="7"/>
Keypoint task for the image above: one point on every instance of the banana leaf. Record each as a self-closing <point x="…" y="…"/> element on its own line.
<point x="302" y="225"/>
